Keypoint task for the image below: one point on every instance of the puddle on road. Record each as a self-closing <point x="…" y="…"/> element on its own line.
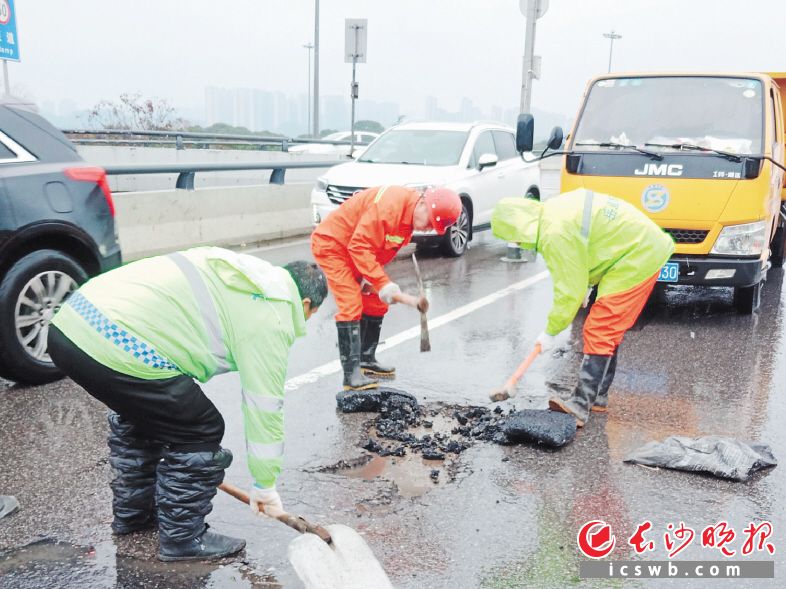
<point x="413" y="475"/>
<point x="54" y="564"/>
<point x="50" y="563"/>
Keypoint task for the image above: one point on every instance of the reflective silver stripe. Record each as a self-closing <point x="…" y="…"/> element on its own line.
<point x="585" y="223"/>
<point x="264" y="403"/>
<point x="265" y="451"/>
<point x="208" y="308"/>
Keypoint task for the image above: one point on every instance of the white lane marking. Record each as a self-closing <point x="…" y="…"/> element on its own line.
<point x="278" y="246"/>
<point x="314" y="375"/>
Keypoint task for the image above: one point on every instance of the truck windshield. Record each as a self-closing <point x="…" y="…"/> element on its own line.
<point x="664" y="112"/>
<point x="418" y="147"/>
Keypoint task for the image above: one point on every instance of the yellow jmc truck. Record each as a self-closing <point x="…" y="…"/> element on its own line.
<point x="702" y="155"/>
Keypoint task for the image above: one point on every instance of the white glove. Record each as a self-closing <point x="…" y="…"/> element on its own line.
<point x="546" y="341"/>
<point x="389" y="291"/>
<point x="267" y="497"/>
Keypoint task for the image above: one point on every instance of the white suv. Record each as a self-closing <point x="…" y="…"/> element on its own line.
<point x="477" y="160"/>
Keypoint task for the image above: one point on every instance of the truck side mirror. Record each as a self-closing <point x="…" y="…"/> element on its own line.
<point x="751" y="168"/>
<point x="525" y="132"/>
<point x="555" y="139"/>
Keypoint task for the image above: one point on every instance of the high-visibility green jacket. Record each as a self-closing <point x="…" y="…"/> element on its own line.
<point x="586" y="239"/>
<point x="200" y="312"/>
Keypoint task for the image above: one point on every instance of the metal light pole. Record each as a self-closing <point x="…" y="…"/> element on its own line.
<point x="315" y="128"/>
<point x="309" y="46"/>
<point x="532" y="11"/>
<point x="612" y="36"/>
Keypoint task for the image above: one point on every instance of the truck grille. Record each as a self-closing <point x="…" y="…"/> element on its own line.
<point x="687" y="235"/>
<point x="338" y="194"/>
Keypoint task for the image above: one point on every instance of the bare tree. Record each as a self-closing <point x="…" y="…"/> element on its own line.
<point x="132" y="111"/>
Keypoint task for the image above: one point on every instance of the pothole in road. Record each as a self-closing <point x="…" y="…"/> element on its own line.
<point x="415" y="447"/>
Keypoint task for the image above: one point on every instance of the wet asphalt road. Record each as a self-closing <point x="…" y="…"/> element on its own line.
<point x="503" y="516"/>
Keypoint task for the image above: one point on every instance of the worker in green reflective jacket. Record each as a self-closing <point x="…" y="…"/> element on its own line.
<point x="589" y="239"/>
<point x="136" y="338"/>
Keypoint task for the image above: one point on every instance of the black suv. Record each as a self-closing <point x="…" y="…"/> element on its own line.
<point x="57" y="229"/>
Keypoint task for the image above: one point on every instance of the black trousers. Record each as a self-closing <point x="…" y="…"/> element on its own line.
<point x="173" y="410"/>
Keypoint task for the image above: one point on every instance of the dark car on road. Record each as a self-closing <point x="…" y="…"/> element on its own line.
<point x="57" y="229"/>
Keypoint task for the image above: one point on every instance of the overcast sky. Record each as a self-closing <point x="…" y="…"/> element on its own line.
<point x="86" y="50"/>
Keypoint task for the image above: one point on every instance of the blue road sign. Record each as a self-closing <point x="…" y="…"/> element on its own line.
<point x="9" y="43"/>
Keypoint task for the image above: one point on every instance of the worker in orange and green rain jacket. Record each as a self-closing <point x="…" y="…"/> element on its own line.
<point x="136" y="338"/>
<point x="589" y="239"/>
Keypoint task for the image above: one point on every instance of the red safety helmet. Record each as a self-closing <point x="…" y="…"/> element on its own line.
<point x="444" y="207"/>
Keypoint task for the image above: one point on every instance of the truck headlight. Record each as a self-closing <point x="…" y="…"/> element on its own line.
<point x="741" y="240"/>
<point x="321" y="185"/>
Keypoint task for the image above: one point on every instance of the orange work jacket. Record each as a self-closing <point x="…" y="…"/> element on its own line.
<point x="369" y="228"/>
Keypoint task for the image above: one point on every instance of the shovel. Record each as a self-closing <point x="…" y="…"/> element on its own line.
<point x="335" y="557"/>
<point x="508" y="390"/>
<point x="293" y="521"/>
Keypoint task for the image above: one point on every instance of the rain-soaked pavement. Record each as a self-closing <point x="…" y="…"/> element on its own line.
<point x="493" y="516"/>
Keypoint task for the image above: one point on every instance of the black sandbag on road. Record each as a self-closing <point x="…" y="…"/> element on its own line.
<point x="373" y="399"/>
<point x="540" y="427"/>
<point x="723" y="457"/>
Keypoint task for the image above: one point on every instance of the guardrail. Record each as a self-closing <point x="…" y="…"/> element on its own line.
<point x="181" y="138"/>
<point x="187" y="172"/>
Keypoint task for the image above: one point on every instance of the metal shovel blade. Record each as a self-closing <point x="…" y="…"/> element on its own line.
<point x="346" y="564"/>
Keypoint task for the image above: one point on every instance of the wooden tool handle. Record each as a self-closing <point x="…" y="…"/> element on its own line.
<point x="425" y="340"/>
<point x="293" y="521"/>
<point x="523" y="367"/>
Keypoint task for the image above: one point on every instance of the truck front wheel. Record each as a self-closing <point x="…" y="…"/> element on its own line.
<point x="747" y="299"/>
<point x="778" y="245"/>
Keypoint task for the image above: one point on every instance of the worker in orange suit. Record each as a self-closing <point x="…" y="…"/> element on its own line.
<point x="353" y="244"/>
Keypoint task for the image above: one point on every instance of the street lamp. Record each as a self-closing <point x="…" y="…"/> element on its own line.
<point x="315" y="130"/>
<point x="612" y="36"/>
<point x="309" y="46"/>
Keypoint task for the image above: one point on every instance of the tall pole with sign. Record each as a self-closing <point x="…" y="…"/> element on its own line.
<point x="355" y="37"/>
<point x="9" y="43"/>
<point x="532" y="11"/>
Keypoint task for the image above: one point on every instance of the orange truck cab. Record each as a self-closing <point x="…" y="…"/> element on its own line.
<point x="702" y="155"/>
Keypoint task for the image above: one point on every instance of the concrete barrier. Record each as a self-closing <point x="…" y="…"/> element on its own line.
<point x="160" y="221"/>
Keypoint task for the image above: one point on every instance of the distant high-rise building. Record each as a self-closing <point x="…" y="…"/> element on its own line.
<point x="264" y="111"/>
<point x="244" y="108"/>
<point x="219" y="106"/>
<point x="336" y="113"/>
<point x="261" y="110"/>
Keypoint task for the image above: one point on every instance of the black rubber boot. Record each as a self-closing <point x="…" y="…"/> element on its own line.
<point x="591" y="374"/>
<point x="187" y="482"/>
<point x="134" y="461"/>
<point x="370" y="328"/>
<point x="349" y="352"/>
<point x="602" y="400"/>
